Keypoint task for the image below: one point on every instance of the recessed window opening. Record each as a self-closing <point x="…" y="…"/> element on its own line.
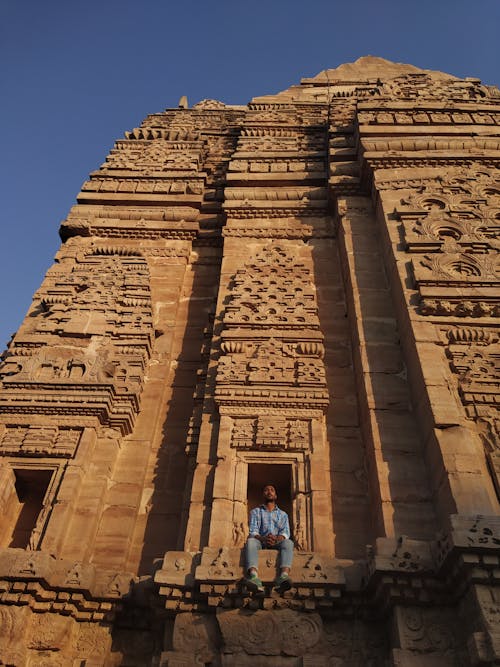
<point x="31" y="487"/>
<point x="278" y="474"/>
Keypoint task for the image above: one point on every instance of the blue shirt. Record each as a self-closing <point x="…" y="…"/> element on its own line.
<point x="269" y="522"/>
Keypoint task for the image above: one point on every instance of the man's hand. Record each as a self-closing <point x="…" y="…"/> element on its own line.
<point x="271" y="540"/>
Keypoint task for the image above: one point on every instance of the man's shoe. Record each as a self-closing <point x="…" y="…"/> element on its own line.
<point x="283" y="583"/>
<point x="254" y="584"/>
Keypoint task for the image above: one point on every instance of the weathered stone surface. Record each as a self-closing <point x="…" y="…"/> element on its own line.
<point x="304" y="291"/>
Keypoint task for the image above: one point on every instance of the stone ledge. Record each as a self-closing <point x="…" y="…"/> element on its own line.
<point x="396" y="571"/>
<point x="44" y="583"/>
<point x="214" y="577"/>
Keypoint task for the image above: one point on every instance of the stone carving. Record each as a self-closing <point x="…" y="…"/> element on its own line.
<point x="172" y="186"/>
<point x="276" y="166"/>
<point x="488" y="604"/>
<point x="14" y="623"/>
<point x="469" y="335"/>
<point x="93" y="641"/>
<point x="482" y="531"/>
<point x="425" y="630"/>
<point x="314" y="569"/>
<point x="209" y="105"/>
<point x="173" y="222"/>
<point x="458" y="308"/>
<point x="474" y="363"/>
<point x="265" y="633"/>
<point x="50" y="632"/>
<point x="285" y="230"/>
<point x="155" y="156"/>
<point x="177" y="134"/>
<point x="108" y="298"/>
<point x="36" y="440"/>
<point x="452" y="217"/>
<point x="455" y="268"/>
<point x="268" y="363"/>
<point x="474" y="359"/>
<point x="178" y="569"/>
<point x="196" y="635"/>
<point x="27" y="563"/>
<point x="243" y="433"/>
<point x="218" y="564"/>
<point x="239" y="534"/>
<point x="272" y="292"/>
<point x="271" y="432"/>
<point x="300" y="527"/>
<point x="422" y="85"/>
<point x="401" y="555"/>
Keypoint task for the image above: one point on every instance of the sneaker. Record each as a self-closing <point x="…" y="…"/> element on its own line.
<point x="254" y="584"/>
<point x="283" y="583"/>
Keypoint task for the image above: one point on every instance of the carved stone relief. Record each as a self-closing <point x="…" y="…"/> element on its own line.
<point x="39" y="440"/>
<point x="274" y="291"/>
<point x="92" y="326"/>
<point x="267" y="633"/>
<point x="272" y="433"/>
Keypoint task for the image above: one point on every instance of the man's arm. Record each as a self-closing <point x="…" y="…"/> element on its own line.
<point x="254" y="524"/>
<point x="284" y="531"/>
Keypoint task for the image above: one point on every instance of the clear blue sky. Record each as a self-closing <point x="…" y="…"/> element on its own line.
<point x="75" y="74"/>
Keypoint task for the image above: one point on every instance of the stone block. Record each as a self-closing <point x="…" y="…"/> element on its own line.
<point x="344" y="412"/>
<point x="381" y="358"/>
<point x="394" y="430"/>
<point x="386" y="391"/>
<point x="377" y="330"/>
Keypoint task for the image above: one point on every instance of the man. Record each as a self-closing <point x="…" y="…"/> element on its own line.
<point x="269" y="529"/>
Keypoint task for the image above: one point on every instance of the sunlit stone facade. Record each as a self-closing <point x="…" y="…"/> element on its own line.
<point x="303" y="290"/>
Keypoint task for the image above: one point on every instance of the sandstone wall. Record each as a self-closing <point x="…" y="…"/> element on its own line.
<point x="303" y="290"/>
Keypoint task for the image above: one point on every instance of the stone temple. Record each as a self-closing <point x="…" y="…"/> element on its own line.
<point x="304" y="290"/>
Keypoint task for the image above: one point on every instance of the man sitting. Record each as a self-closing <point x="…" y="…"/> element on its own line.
<point x="269" y="529"/>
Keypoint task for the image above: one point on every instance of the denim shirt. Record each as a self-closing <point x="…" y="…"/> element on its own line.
<point x="265" y="522"/>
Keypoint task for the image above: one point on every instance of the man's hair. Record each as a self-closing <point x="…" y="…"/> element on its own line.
<point x="269" y="484"/>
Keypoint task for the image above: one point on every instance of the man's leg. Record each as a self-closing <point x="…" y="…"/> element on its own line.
<point x="286" y="554"/>
<point x="252" y="581"/>
<point x="252" y="548"/>
<point x="283" y="582"/>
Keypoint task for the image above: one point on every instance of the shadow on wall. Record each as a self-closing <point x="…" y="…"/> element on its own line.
<point x="397" y="474"/>
<point x="350" y="494"/>
<point x="164" y="528"/>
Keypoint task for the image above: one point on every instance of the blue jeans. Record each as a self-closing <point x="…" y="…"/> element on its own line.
<point x="253" y="546"/>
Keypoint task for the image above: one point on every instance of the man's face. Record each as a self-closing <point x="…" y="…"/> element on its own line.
<point x="269" y="493"/>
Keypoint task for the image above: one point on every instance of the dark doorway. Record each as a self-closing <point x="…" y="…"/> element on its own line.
<point x="31" y="487"/>
<point x="277" y="474"/>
